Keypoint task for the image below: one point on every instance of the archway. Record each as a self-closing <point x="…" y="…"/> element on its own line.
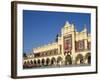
<point x="25" y="65"/>
<point x="35" y="63"/>
<point x="59" y="61"/>
<point x="38" y="61"/>
<point x="25" y="62"/>
<point x="47" y="61"/>
<point x="43" y="62"/>
<point x="79" y="59"/>
<point x="68" y="60"/>
<point x="88" y="58"/>
<point x="31" y="62"/>
<point x="53" y="61"/>
<point x="28" y="62"/>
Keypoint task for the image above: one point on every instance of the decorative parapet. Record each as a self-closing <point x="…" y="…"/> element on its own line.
<point x="67" y="28"/>
<point x="46" y="47"/>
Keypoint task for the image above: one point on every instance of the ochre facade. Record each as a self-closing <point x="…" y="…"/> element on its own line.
<point x="70" y="48"/>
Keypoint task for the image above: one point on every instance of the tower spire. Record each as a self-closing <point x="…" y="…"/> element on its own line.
<point x="85" y="28"/>
<point x="67" y="24"/>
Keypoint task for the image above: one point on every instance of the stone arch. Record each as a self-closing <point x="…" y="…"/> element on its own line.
<point x="25" y="62"/>
<point x="79" y="59"/>
<point x="59" y="60"/>
<point x="88" y="58"/>
<point x="53" y="61"/>
<point x="31" y="62"/>
<point x="47" y="61"/>
<point x="43" y="61"/>
<point x="28" y="62"/>
<point x="68" y="59"/>
<point x="35" y="62"/>
<point x="38" y="61"/>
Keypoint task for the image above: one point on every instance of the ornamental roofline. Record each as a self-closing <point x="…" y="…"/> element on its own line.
<point x="45" y="45"/>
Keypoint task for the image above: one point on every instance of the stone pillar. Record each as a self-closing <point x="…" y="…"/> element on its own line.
<point x="85" y="38"/>
<point x="73" y="47"/>
<point x="85" y="42"/>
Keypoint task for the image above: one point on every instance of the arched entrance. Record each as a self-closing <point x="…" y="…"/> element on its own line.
<point x="38" y="61"/>
<point x="25" y="65"/>
<point x="35" y="62"/>
<point x="28" y="62"/>
<point x="47" y="61"/>
<point x="31" y="62"/>
<point x="88" y="58"/>
<point x="79" y="59"/>
<point x="25" y="62"/>
<point x="43" y="62"/>
<point x="53" y="61"/>
<point x="59" y="61"/>
<point x="68" y="60"/>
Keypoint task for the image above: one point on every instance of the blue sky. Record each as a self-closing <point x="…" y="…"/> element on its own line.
<point x="41" y="27"/>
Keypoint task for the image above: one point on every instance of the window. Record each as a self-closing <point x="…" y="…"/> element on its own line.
<point x="81" y="45"/>
<point x="68" y="42"/>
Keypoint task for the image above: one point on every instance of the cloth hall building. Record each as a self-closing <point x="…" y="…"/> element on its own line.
<point x="70" y="48"/>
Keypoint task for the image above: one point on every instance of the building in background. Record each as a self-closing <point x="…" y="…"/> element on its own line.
<point x="70" y="48"/>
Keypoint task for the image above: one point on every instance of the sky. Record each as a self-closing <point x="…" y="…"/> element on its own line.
<point x="41" y="27"/>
